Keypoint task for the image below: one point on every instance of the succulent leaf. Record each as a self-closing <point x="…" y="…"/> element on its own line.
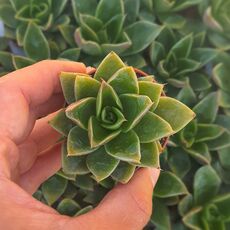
<point x="125" y="147"/>
<point x="101" y="164"/>
<point x="182" y="115"/>
<point x="155" y="128"/>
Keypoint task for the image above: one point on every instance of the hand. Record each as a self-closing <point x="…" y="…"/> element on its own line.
<point x="28" y="156"/>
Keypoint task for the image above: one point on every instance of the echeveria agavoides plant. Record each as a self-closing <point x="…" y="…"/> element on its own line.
<point x="113" y="122"/>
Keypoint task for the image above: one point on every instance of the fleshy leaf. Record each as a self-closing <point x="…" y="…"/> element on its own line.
<point x="78" y="142"/>
<point x="221" y="142"/>
<point x="174" y="112"/>
<point x="208" y="132"/>
<point x="53" y="188"/>
<point x="100" y="164"/>
<point x="84" y="210"/>
<point x="179" y="162"/>
<point x="35" y="44"/>
<point x="169" y="185"/>
<point x="61" y="123"/>
<point x="152" y="90"/>
<point x="68" y="207"/>
<point x="67" y="84"/>
<point x="222" y="202"/>
<point x="149" y="155"/>
<point x="110" y="64"/>
<point x="206" y="184"/>
<point x="85" y="86"/>
<point x="137" y="31"/>
<point x="21" y="62"/>
<point x="124" y="81"/>
<point x="80" y="111"/>
<point x="134" y="108"/>
<point x="125" y="147"/>
<point x="84" y="182"/>
<point x="224" y="157"/>
<point x="160" y="217"/>
<point x="193" y="219"/>
<point x="221" y="77"/>
<point x="99" y="135"/>
<point x="123" y="172"/>
<point x="72" y="164"/>
<point x="206" y="109"/>
<point x="152" y="127"/>
<point x="108" y="9"/>
<point x="107" y="97"/>
<point x="200" y="152"/>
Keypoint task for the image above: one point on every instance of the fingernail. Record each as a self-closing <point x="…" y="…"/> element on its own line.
<point x="154" y="174"/>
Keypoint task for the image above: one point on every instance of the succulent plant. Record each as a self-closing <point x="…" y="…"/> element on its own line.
<point x="205" y="209"/>
<point x="101" y="29"/>
<point x="181" y="56"/>
<point x="113" y="122"/>
<point x="216" y="16"/>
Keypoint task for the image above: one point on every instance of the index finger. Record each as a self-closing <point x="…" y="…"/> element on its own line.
<point x="40" y="81"/>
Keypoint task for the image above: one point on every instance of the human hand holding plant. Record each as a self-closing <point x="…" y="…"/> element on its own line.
<point x="29" y="155"/>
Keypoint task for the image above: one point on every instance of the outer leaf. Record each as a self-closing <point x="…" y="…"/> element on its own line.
<point x="110" y="64"/>
<point x="68" y="207"/>
<point x="85" y="182"/>
<point x="123" y="172"/>
<point x="53" y="188"/>
<point x="206" y="184"/>
<point x="78" y="142"/>
<point x="224" y="157"/>
<point x="152" y="127"/>
<point x="174" y="112"/>
<point x="72" y="164"/>
<point x="182" y="48"/>
<point x="107" y="97"/>
<point x="84" y="210"/>
<point x="208" y="132"/>
<point x="101" y="164"/>
<point x="124" y="81"/>
<point x="80" y="111"/>
<point x="160" y="217"/>
<point x="223" y="204"/>
<point x="21" y="62"/>
<point x="85" y="86"/>
<point x="61" y="123"/>
<point x="152" y="90"/>
<point x="223" y="141"/>
<point x="67" y="84"/>
<point x="134" y="108"/>
<point x="206" y="109"/>
<point x="7" y="15"/>
<point x="193" y="219"/>
<point x="137" y="31"/>
<point x="179" y="162"/>
<point x="108" y="9"/>
<point x="169" y="185"/>
<point x="200" y="152"/>
<point x="221" y="77"/>
<point x="35" y="43"/>
<point x="125" y="147"/>
<point x="70" y="54"/>
<point x="150" y="155"/>
<point x="99" y="135"/>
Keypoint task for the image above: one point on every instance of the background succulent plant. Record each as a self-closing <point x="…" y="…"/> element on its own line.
<point x="202" y="148"/>
<point x="113" y="122"/>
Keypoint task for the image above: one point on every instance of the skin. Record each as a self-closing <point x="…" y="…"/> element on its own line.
<point x="28" y="156"/>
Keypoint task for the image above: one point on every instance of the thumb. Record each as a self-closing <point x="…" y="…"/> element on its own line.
<point x="125" y="207"/>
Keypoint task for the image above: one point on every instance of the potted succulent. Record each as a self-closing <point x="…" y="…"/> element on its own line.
<point x="114" y="122"/>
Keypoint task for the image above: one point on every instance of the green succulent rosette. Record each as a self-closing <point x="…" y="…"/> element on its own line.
<point x="216" y="15"/>
<point x="114" y="122"/>
<point x="206" y="209"/>
<point x="102" y="28"/>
